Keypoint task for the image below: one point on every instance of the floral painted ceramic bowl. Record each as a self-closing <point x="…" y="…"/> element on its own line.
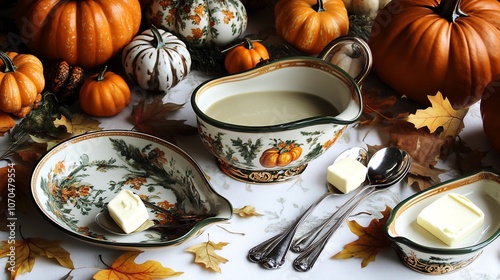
<point x="74" y="181"/>
<point x="423" y="252"/>
<point x="266" y="124"/>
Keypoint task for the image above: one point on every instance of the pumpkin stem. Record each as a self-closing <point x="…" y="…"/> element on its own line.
<point x="450" y="10"/>
<point x="248" y="43"/>
<point x="9" y="64"/>
<point x="158" y="39"/>
<point x="319" y="7"/>
<point x="100" y="77"/>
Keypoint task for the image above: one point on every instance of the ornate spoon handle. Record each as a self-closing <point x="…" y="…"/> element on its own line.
<point x="301" y="243"/>
<point x="306" y="259"/>
<point x="272" y="252"/>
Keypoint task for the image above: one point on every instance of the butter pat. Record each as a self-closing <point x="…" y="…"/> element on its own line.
<point x="128" y="211"/>
<point x="451" y="218"/>
<point x="346" y="174"/>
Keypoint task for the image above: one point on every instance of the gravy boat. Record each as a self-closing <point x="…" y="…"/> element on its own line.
<point x="267" y="153"/>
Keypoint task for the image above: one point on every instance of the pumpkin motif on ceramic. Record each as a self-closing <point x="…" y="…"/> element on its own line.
<point x="200" y="22"/>
<point x="85" y="32"/>
<point x="21" y="81"/>
<point x="282" y="154"/>
<point x="156" y="60"/>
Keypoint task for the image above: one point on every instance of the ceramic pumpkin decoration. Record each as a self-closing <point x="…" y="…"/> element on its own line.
<point x="21" y="81"/>
<point x="281" y="155"/>
<point x="200" y="22"/>
<point x="156" y="60"/>
<point x="309" y="25"/>
<point x="65" y="81"/>
<point x="428" y="46"/>
<point x="365" y="7"/>
<point x="104" y="94"/>
<point x="490" y="102"/>
<point x="245" y="56"/>
<point x="81" y="32"/>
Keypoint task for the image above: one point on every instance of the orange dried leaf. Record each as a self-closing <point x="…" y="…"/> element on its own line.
<point x="6" y="123"/>
<point x="205" y="254"/>
<point x="246" y="212"/>
<point x="372" y="239"/>
<point x="27" y="250"/>
<point x="125" y="267"/>
<point x="440" y="114"/>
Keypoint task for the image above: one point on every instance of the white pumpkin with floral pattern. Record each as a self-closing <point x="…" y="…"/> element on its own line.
<point x="200" y="22"/>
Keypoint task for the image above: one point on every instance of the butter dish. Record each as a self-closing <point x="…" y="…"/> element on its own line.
<point x="423" y="252"/>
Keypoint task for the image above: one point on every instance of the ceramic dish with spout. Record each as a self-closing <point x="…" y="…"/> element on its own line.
<point x="74" y="181"/>
<point x="257" y="147"/>
<point x="423" y="252"/>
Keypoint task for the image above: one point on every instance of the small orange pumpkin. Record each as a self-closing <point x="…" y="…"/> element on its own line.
<point x="245" y="56"/>
<point x="280" y="156"/>
<point x="309" y="25"/>
<point x="104" y="94"/>
<point x="21" y="81"/>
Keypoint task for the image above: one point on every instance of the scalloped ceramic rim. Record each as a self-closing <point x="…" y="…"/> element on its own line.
<point x="223" y="211"/>
<point x="444" y="186"/>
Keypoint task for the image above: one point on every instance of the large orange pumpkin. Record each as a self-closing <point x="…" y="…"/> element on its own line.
<point x="309" y="25"/>
<point x="81" y="32"/>
<point x="421" y="47"/>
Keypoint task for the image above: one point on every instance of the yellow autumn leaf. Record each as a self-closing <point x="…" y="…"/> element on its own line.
<point x="371" y="240"/>
<point x="246" y="212"/>
<point x="27" y="250"/>
<point x="440" y="114"/>
<point x="205" y="254"/>
<point x="125" y="267"/>
<point x="78" y="124"/>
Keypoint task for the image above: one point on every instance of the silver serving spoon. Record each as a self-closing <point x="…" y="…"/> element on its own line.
<point x="387" y="167"/>
<point x="361" y="155"/>
<point x="104" y="220"/>
<point x="272" y="252"/>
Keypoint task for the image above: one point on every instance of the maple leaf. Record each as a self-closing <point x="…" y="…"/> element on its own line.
<point x="440" y="114"/>
<point x="125" y="267"/>
<point x="246" y="212"/>
<point x="77" y="124"/>
<point x="6" y="123"/>
<point x="372" y="239"/>
<point x="27" y="250"/>
<point x="205" y="254"/>
<point x="152" y="117"/>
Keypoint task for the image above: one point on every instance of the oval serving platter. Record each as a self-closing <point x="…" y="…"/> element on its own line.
<point x="75" y="180"/>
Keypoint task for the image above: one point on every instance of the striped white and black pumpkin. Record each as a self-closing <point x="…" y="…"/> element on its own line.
<point x="156" y="60"/>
